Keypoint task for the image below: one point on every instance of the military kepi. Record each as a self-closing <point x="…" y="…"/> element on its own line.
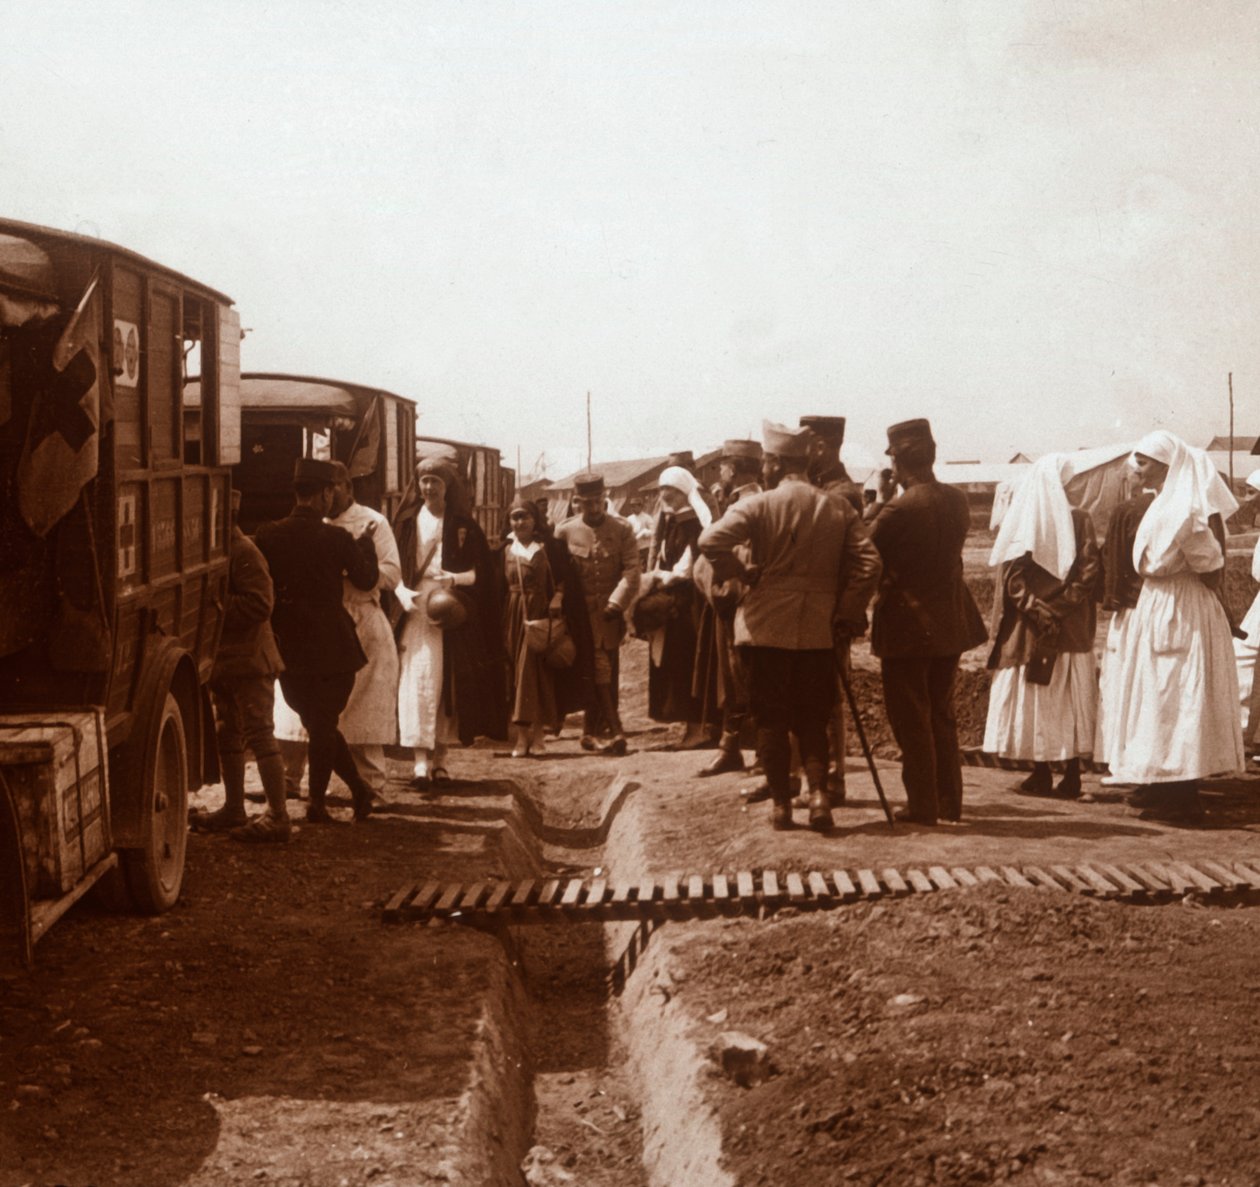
<point x="310" y="469"/>
<point x="908" y="432"/>
<point x="829" y="428"/>
<point x="784" y="442"/>
<point x="589" y="483"/>
<point x="741" y="449"/>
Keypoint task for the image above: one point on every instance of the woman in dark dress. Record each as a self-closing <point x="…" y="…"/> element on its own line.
<point x="541" y="583"/>
<point x="670" y="586"/>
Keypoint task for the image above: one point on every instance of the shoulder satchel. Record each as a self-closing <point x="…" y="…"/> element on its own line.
<point x="548" y="637"/>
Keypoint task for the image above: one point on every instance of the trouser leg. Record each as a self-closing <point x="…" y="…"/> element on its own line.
<point x="813" y="685"/>
<point x="294" y="755"/>
<point x="369" y="761"/>
<point x="319" y="701"/>
<point x="771" y="700"/>
<point x="949" y="785"/>
<point x="258" y="704"/>
<point x="229" y="737"/>
<point x="908" y="705"/>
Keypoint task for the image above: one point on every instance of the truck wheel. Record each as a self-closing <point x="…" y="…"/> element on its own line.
<point x="155" y="872"/>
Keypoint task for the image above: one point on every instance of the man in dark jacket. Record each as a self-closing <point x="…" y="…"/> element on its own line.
<point x="243" y="687"/>
<point x="316" y="635"/>
<point x="924" y="619"/>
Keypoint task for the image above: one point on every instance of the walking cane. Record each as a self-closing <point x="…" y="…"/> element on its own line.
<point x="866" y="749"/>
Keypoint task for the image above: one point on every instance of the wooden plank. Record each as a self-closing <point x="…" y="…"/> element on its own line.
<point x="1201" y="881"/>
<point x="744" y="885"/>
<point x="473" y="896"/>
<point x="621" y="893"/>
<point x="597" y="893"/>
<point x="1153" y="882"/>
<point x="919" y="881"/>
<point x="844" y="886"/>
<point x="572" y="893"/>
<point x="450" y="896"/>
<point x="985" y="874"/>
<point x="670" y="889"/>
<point x="770" y="892"/>
<point x="400" y="897"/>
<point x="1039" y="877"/>
<point x="548" y="893"/>
<point x="894" y="881"/>
<point x="1071" y="879"/>
<point x="795" y="888"/>
<point x="646" y="891"/>
<point x="721" y="888"/>
<point x="1014" y="878"/>
<point x="818" y="886"/>
<point x="1096" y="882"/>
<point x="498" y="896"/>
<point x="523" y="893"/>
<point x="1178" y="882"/>
<point x="940" y="875"/>
<point x="695" y="888"/>
<point x="1126" y="883"/>
<point x="964" y="877"/>
<point x="1250" y="871"/>
<point x="870" y="884"/>
<point x="1226" y="877"/>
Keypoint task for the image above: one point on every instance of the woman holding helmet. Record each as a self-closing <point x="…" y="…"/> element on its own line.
<point x="450" y="673"/>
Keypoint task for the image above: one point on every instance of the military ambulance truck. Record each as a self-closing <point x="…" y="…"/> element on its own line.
<point x="115" y="507"/>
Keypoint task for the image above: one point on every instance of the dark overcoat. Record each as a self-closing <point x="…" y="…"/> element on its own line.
<point x="308" y="559"/>
<point x="924" y="607"/>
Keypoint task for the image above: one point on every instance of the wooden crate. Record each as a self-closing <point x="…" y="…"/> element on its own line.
<point x="56" y="766"/>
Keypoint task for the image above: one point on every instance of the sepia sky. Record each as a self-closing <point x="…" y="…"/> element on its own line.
<point x="1032" y="220"/>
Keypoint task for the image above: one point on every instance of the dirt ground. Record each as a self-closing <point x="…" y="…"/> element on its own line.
<point x="272" y="1029"/>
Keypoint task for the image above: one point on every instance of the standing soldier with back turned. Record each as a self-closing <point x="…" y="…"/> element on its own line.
<point x="924" y="619"/>
<point x="308" y="559"/>
<point x="812" y="572"/>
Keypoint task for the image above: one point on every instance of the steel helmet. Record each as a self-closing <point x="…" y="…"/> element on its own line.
<point x="445" y="609"/>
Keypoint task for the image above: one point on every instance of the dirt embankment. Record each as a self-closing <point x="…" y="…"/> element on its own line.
<point x="998" y="1035"/>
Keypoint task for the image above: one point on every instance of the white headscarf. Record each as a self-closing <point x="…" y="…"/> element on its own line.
<point x="1039" y="520"/>
<point x="1192" y="493"/>
<point x="685" y="481"/>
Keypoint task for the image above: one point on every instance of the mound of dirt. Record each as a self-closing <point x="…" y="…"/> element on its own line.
<point x="1016" y="1036"/>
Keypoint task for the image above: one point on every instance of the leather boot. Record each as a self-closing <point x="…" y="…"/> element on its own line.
<point x="271" y="772"/>
<point x="781" y="813"/>
<point x="819" y="811"/>
<point x="1040" y="782"/>
<point x="1069" y="787"/>
<point x="725" y="760"/>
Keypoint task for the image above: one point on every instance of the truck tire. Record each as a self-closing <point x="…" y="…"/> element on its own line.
<point x="155" y="871"/>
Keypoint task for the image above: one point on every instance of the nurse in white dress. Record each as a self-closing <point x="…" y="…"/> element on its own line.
<point x="1247" y="650"/>
<point x="1176" y="684"/>
<point x="426" y="719"/>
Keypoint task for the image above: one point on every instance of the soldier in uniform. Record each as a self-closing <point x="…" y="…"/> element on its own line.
<point x="308" y="559"/>
<point x="826" y="470"/>
<point x="812" y="572"/>
<point x="606" y="554"/>
<point x="242" y="686"/>
<point x="924" y="619"/>
<point x="721" y="683"/>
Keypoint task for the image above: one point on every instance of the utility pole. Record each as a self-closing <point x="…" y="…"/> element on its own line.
<point x="1231" y="431"/>
<point x="588" y="429"/>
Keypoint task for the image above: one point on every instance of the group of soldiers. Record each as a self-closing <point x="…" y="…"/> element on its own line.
<point x="787" y="569"/>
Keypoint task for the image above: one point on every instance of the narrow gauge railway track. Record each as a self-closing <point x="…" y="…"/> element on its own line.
<point x="747" y="892"/>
